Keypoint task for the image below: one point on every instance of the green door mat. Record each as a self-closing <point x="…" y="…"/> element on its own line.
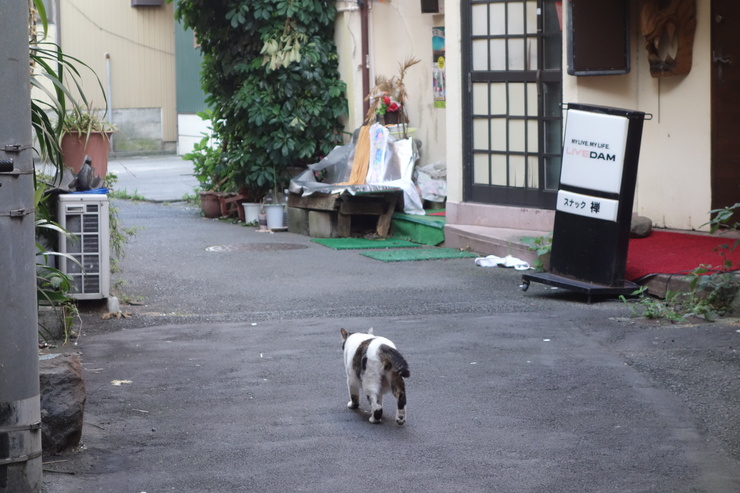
<point x="362" y="243"/>
<point x="417" y="254"/>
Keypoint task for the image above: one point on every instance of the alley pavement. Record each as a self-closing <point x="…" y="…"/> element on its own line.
<point x="163" y="178"/>
<point x="232" y="348"/>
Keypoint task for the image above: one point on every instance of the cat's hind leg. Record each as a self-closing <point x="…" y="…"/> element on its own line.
<point x="399" y="392"/>
<point x="353" y="386"/>
<point x="376" y="407"/>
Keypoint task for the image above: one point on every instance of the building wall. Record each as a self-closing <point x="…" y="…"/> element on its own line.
<point x="190" y="95"/>
<point x="140" y="44"/>
<point x="674" y="178"/>
<point x="454" y="123"/>
<point x="398" y="30"/>
<point x="673" y="183"/>
<point x="347" y="36"/>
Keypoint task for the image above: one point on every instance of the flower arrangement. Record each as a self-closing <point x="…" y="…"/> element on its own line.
<point x="387" y="105"/>
<point x="388" y="96"/>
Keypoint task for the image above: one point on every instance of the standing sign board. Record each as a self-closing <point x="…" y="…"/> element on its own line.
<point x="601" y="149"/>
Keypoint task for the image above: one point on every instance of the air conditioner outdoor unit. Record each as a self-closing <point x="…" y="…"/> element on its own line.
<point x="85" y="218"/>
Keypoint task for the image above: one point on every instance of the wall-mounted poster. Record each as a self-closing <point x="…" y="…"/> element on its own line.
<point x="438" y="71"/>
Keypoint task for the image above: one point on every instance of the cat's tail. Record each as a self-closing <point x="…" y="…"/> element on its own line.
<point x="392" y="359"/>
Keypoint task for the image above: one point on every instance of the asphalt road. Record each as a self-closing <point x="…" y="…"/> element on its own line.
<point x="233" y="354"/>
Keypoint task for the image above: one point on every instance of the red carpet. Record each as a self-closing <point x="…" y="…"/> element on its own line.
<point x="676" y="253"/>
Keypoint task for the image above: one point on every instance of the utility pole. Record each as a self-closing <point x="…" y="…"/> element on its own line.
<point x="20" y="415"/>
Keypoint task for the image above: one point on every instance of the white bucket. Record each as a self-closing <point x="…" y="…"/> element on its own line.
<point x="275" y="216"/>
<point x="251" y="210"/>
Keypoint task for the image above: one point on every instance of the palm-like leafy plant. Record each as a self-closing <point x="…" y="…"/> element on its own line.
<point x="53" y="73"/>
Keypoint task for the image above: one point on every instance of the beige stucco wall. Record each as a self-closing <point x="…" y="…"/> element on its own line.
<point x="673" y="185"/>
<point x="674" y="178"/>
<point x="347" y="37"/>
<point x="454" y="102"/>
<point x="398" y="30"/>
<point x="140" y="42"/>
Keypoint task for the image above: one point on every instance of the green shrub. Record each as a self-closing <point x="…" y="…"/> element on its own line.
<point x="542" y="246"/>
<point x="270" y="74"/>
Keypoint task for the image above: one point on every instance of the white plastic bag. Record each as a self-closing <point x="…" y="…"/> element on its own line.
<point x="379" y="155"/>
<point x="432" y="181"/>
<point x="404" y="153"/>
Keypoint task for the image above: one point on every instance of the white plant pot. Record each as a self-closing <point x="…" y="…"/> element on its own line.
<point x="275" y="216"/>
<point x="251" y="211"/>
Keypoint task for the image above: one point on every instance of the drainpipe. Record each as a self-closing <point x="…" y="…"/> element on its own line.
<point x="108" y="95"/>
<point x="57" y="23"/>
<point x="365" y="41"/>
<point x="20" y="411"/>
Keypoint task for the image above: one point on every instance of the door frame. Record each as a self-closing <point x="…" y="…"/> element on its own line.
<point x="539" y="197"/>
<point x="721" y="138"/>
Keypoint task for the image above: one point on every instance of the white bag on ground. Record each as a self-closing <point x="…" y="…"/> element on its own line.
<point x="508" y="261"/>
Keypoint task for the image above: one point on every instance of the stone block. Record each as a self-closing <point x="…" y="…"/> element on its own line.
<point x="641" y="227"/>
<point x="734" y="310"/>
<point x="322" y="224"/>
<point x="298" y="221"/>
<point x="63" y="396"/>
<point x="51" y="323"/>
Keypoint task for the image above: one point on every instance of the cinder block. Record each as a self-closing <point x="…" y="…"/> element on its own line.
<point x="51" y="322"/>
<point x="322" y="224"/>
<point x="298" y="220"/>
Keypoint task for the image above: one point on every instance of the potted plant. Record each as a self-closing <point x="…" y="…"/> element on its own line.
<point x="53" y="71"/>
<point x="388" y="98"/>
<point x="211" y="169"/>
<point x="251" y="198"/>
<point x="86" y="133"/>
<point x="206" y="160"/>
<point x="274" y="203"/>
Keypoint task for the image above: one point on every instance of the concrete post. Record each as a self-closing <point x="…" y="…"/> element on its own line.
<point x="20" y="415"/>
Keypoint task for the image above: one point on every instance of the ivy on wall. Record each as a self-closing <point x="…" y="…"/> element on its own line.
<point x="270" y="74"/>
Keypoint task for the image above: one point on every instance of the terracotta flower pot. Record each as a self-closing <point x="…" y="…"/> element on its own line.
<point x="76" y="146"/>
<point x="210" y="203"/>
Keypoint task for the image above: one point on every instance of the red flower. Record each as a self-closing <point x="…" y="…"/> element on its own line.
<point x="393" y="106"/>
<point x="386" y="100"/>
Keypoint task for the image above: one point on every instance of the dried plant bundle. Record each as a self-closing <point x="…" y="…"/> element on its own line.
<point x="394" y="87"/>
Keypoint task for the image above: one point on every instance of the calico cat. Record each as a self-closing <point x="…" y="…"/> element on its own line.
<point x="374" y="364"/>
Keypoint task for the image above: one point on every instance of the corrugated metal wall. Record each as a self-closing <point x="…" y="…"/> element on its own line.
<point x="141" y="44"/>
<point x="190" y="96"/>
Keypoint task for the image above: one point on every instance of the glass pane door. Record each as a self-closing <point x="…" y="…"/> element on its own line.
<point x="512" y="53"/>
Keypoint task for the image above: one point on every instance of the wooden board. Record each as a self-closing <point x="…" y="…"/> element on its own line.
<point x="381" y="204"/>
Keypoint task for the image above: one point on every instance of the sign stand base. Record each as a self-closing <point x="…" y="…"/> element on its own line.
<point x="587" y="288"/>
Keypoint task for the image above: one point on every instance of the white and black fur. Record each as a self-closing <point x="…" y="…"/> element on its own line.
<point x="374" y="364"/>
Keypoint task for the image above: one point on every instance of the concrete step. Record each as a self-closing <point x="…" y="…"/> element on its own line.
<point x="487" y="240"/>
<point x="427" y="230"/>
